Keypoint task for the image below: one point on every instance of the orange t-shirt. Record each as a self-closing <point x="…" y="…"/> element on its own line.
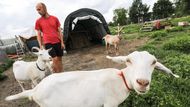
<point x="49" y="28"/>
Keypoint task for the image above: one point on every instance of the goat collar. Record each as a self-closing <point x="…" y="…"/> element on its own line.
<point x="40" y="68"/>
<point x="123" y="77"/>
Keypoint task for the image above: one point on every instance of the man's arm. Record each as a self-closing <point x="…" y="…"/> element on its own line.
<point x="61" y="38"/>
<point x="39" y="38"/>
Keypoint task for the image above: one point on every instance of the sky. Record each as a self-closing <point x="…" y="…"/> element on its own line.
<point x="16" y="15"/>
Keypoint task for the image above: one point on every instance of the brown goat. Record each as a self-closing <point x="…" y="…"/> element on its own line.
<point x="113" y="40"/>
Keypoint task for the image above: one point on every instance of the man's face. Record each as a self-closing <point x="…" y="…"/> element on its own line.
<point x="41" y="10"/>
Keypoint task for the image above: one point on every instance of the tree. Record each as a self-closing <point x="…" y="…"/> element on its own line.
<point x="162" y="9"/>
<point x="143" y="12"/>
<point x="182" y="7"/>
<point x="120" y="16"/>
<point x="139" y="11"/>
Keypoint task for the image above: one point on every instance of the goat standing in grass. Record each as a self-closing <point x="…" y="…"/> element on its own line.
<point x="32" y="71"/>
<point x="98" y="88"/>
<point x="113" y="40"/>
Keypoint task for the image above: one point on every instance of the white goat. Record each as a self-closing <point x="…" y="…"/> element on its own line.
<point x="113" y="40"/>
<point x="49" y="67"/>
<point x="98" y="88"/>
<point x="32" y="71"/>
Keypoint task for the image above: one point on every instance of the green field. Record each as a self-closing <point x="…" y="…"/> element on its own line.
<point x="172" y="48"/>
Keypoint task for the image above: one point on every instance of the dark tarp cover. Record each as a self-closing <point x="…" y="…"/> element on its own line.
<point x="89" y="28"/>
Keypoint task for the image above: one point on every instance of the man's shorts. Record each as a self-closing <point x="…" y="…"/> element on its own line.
<point x="56" y="50"/>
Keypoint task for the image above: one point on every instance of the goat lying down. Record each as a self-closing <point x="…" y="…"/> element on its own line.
<point x="98" y="88"/>
<point x="32" y="71"/>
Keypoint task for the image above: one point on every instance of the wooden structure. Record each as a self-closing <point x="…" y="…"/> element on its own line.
<point x="147" y="26"/>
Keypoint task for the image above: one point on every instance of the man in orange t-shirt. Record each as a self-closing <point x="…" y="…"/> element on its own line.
<point x="49" y="34"/>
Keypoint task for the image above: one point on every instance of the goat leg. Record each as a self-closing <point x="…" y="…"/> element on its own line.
<point x="107" y="51"/>
<point x="21" y="85"/>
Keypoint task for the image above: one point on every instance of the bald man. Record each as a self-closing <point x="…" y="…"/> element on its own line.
<point x="49" y="34"/>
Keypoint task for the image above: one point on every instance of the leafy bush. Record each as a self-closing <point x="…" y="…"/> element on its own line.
<point x="165" y="23"/>
<point x="8" y="63"/>
<point x="179" y="44"/>
<point x="158" y="51"/>
<point x="175" y="29"/>
<point x="180" y="64"/>
<point x="130" y="36"/>
<point x="144" y="34"/>
<point x="113" y="30"/>
<point x="181" y="19"/>
<point x="132" y="28"/>
<point x="158" y="35"/>
<point x="147" y="47"/>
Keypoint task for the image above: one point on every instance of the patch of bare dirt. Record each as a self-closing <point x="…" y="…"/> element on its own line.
<point x="82" y="59"/>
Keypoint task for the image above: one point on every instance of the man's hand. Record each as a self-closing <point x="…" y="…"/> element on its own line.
<point x="41" y="47"/>
<point x="62" y="45"/>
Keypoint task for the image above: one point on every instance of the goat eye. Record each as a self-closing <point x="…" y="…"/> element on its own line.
<point x="128" y="60"/>
<point x="154" y="62"/>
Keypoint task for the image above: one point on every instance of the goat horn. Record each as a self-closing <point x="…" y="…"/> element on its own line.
<point x="109" y="57"/>
<point x="49" y="49"/>
<point x="121" y="29"/>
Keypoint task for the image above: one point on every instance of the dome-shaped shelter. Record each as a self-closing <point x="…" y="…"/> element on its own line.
<point x="84" y="27"/>
<point x="3" y="56"/>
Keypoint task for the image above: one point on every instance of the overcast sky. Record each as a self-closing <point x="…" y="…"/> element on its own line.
<point x="20" y="14"/>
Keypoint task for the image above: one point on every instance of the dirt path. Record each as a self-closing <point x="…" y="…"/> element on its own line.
<point x="83" y="59"/>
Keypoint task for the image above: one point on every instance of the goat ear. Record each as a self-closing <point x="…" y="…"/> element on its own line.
<point x="161" y="67"/>
<point x="36" y="53"/>
<point x="36" y="48"/>
<point x="118" y="59"/>
<point x="49" y="49"/>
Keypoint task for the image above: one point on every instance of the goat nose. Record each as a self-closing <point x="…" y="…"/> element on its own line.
<point x="143" y="82"/>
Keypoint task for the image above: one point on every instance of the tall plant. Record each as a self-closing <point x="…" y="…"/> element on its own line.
<point x="162" y="9"/>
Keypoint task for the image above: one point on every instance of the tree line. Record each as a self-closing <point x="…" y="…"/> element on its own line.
<point x="140" y="12"/>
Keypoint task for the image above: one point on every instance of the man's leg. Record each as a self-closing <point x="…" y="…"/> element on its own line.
<point x="54" y="64"/>
<point x="60" y="65"/>
<point x="57" y="52"/>
<point x="57" y="64"/>
<point x="52" y="53"/>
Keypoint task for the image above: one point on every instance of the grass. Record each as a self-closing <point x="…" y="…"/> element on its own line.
<point x="3" y="67"/>
<point x="181" y="19"/>
<point x="171" y="49"/>
<point x="129" y="29"/>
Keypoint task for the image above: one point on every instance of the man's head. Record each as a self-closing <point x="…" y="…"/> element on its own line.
<point x="41" y="8"/>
